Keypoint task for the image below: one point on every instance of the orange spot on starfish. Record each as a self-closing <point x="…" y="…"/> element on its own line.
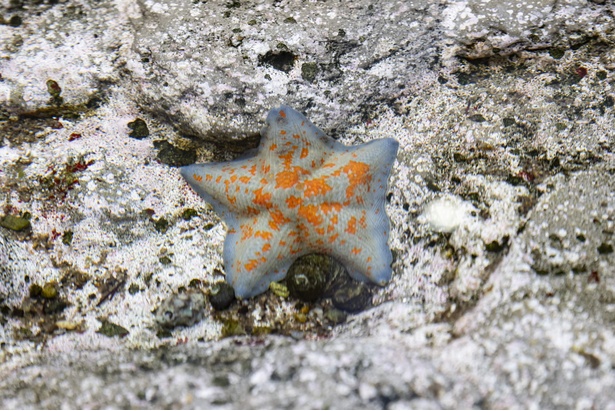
<point x="317" y="186"/>
<point x="277" y="219"/>
<point x="286" y="179"/>
<point x="251" y="265"/>
<point x="351" y="227"/>
<point x="246" y="232"/>
<point x="262" y="199"/>
<point x="265" y="235"/>
<point x="311" y="214"/>
<point x="293" y="201"/>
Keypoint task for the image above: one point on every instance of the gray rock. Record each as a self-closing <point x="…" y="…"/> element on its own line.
<point x="53" y="38"/>
<point x="572" y="228"/>
<point x="213" y="69"/>
<point x="13" y="256"/>
<point x="483" y="28"/>
<point x="181" y="309"/>
<point x="517" y="150"/>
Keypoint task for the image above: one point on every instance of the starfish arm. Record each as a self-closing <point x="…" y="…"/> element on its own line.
<point x="255" y="255"/>
<point x="231" y="188"/>
<point x="290" y="139"/>
<point x="370" y="256"/>
<point x="360" y="245"/>
<point x="195" y="175"/>
<point x="349" y="221"/>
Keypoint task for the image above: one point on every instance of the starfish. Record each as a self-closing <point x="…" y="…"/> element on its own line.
<point x="300" y="193"/>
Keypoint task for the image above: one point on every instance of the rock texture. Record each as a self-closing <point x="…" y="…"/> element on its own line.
<point x="572" y="229"/>
<point x="501" y="203"/>
<point x="335" y="63"/>
<point x="481" y="29"/>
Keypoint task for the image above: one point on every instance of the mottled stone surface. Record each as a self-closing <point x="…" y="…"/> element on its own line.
<point x="573" y="227"/>
<point x="483" y="28"/>
<point x="501" y="202"/>
<point x="212" y="68"/>
<point x="76" y="45"/>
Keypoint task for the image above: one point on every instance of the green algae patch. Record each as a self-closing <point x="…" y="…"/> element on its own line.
<point x="309" y="71"/>
<point x="279" y="289"/>
<point x="67" y="237"/>
<point x="161" y="225"/>
<point x="188" y="213"/>
<point x="110" y="329"/>
<point x="232" y="327"/>
<point x="557" y="53"/>
<point x="173" y="156"/>
<point x="139" y="129"/>
<point x="165" y="260"/>
<point x="15" y="223"/>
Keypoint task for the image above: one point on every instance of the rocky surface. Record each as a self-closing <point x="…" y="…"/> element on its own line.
<point x="483" y="28"/>
<point x="502" y="203"/>
<point x="213" y="79"/>
<point x="584" y="203"/>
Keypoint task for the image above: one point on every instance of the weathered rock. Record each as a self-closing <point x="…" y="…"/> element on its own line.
<point x="214" y="68"/>
<point x="181" y="309"/>
<point x="515" y="151"/>
<point x="572" y="228"/>
<point x="72" y="50"/>
<point x="483" y="28"/>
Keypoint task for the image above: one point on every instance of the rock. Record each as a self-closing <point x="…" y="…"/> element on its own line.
<point x="481" y="29"/>
<point x="232" y="71"/>
<point x="75" y="49"/>
<point x="500" y="298"/>
<point x="572" y="228"/>
<point x="181" y="309"/>
<point x="352" y="296"/>
<point x="309" y="276"/>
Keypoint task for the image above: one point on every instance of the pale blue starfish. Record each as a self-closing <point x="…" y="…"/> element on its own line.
<point x="301" y="193"/>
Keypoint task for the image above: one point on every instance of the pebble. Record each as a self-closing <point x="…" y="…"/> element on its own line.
<point x="221" y="296"/>
<point x="49" y="291"/>
<point x="181" y="309"/>
<point x="336" y="316"/>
